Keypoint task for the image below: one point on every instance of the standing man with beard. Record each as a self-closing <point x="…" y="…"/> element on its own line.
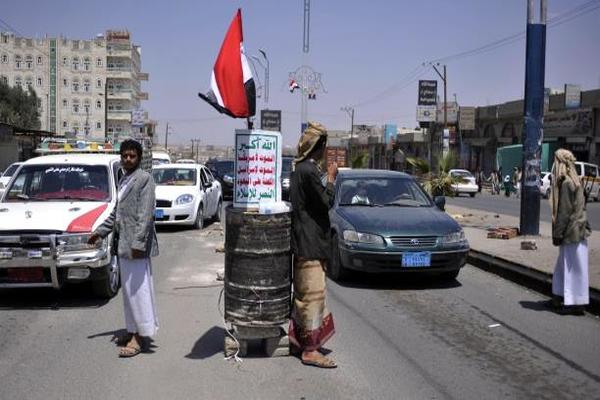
<point x="311" y="324"/>
<point x="132" y="222"/>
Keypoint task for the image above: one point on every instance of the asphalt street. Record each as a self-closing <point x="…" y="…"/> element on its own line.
<point x="512" y="206"/>
<point x="479" y="337"/>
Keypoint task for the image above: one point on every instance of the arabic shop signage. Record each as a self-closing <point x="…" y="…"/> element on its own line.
<point x="270" y="120"/>
<point x="257" y="168"/>
<point x="427" y="93"/>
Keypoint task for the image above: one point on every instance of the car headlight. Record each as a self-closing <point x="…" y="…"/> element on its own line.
<point x="184" y="199"/>
<point x="454" y="238"/>
<point x="77" y="242"/>
<point x="228" y="178"/>
<point x="359" y="237"/>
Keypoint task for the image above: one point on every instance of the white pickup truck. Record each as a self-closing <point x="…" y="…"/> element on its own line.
<point x="47" y="213"/>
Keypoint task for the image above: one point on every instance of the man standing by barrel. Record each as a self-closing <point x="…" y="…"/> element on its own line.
<point x="311" y="324"/>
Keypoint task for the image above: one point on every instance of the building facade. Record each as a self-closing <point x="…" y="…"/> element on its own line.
<point x="86" y="88"/>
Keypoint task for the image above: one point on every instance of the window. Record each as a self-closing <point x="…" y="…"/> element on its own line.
<point x="86" y="106"/>
<point x="4" y="79"/>
<point x="18" y="61"/>
<point x="65" y="82"/>
<point x="98" y="104"/>
<point x="99" y="83"/>
<point x="4" y="58"/>
<point x="65" y="61"/>
<point x="39" y="60"/>
<point x="98" y="125"/>
<point x="39" y="81"/>
<point x="76" y="106"/>
<point x="4" y="38"/>
<point x="76" y="85"/>
<point x="87" y="64"/>
<point x="86" y="85"/>
<point x="65" y="103"/>
<point x="29" y="81"/>
<point x="65" y="124"/>
<point x="75" y="63"/>
<point x="98" y="62"/>
<point x="119" y="129"/>
<point x="18" y="81"/>
<point x="29" y="62"/>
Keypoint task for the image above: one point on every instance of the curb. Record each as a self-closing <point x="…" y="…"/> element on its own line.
<point x="524" y="275"/>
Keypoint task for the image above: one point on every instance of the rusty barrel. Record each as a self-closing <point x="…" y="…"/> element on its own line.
<point x="258" y="268"/>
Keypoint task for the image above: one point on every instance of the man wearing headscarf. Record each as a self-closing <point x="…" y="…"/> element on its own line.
<point x="311" y="324"/>
<point x="570" y="229"/>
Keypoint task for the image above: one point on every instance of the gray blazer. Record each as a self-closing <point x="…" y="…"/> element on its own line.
<point x="133" y="217"/>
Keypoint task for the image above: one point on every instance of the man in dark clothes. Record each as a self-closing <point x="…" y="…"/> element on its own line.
<point x="311" y="324"/>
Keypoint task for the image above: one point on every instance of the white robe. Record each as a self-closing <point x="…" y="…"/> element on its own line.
<point x="570" y="278"/>
<point x="138" y="296"/>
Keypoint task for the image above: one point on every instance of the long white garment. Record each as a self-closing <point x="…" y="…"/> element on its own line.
<point x="570" y="279"/>
<point x="138" y="296"/>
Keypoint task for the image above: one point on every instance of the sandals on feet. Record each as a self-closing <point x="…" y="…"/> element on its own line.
<point x="321" y="362"/>
<point x="129" y="351"/>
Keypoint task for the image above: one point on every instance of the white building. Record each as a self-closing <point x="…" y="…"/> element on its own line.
<point x="90" y="88"/>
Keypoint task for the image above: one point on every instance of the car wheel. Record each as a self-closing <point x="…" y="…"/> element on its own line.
<point x="108" y="286"/>
<point x="336" y="270"/>
<point x="217" y="216"/>
<point x="199" y="222"/>
<point x="449" y="275"/>
<point x="547" y="195"/>
<point x="472" y="194"/>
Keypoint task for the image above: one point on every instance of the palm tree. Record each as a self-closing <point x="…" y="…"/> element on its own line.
<point x="439" y="182"/>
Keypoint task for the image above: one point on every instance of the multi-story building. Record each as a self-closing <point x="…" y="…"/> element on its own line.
<point x="88" y="88"/>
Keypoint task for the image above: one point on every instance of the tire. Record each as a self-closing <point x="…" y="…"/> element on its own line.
<point x="217" y="216"/>
<point x="108" y="286"/>
<point x="199" y="222"/>
<point x="472" y="194"/>
<point x="336" y="270"/>
<point x="449" y="275"/>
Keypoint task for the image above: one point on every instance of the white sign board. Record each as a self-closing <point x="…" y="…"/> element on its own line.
<point x="426" y="113"/>
<point x="257" y="168"/>
<point x="466" y="118"/>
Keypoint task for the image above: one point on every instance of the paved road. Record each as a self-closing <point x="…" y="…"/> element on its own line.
<point x="478" y="337"/>
<point x="512" y="206"/>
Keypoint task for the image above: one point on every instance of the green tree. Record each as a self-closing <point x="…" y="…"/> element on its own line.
<point x="438" y="182"/>
<point x="18" y="107"/>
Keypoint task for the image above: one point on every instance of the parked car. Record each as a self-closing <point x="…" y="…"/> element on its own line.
<point x="48" y="212"/>
<point x="591" y="179"/>
<point x="185" y="161"/>
<point x="223" y="171"/>
<point x="186" y="194"/>
<point x="7" y="174"/>
<point x="467" y="183"/>
<point x="160" y="157"/>
<point x="546" y="184"/>
<point x="383" y="221"/>
<point x="286" y="172"/>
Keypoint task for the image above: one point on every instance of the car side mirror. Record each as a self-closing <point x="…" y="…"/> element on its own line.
<point x="207" y="185"/>
<point x="440" y="202"/>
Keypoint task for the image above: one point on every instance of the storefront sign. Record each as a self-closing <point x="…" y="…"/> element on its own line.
<point x="257" y="168"/>
<point x="426" y="113"/>
<point x="466" y="118"/>
<point x="427" y="93"/>
<point x="572" y="96"/>
<point x="569" y="123"/>
<point x="270" y="120"/>
<point x="451" y="112"/>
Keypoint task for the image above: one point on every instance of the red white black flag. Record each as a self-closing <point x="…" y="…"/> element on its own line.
<point x="232" y="89"/>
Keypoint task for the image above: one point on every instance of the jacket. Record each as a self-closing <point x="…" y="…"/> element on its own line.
<point x="570" y="225"/>
<point x="132" y="220"/>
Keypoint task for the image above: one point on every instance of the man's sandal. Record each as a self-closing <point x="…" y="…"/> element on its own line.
<point x="129" y="351"/>
<point x="122" y="340"/>
<point x="321" y="362"/>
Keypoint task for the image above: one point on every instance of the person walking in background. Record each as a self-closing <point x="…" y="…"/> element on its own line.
<point x="479" y="178"/>
<point x="570" y="229"/>
<point x="495" y="181"/>
<point x="132" y="221"/>
<point x="311" y="324"/>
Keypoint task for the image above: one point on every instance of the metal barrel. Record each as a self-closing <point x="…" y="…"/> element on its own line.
<point x="258" y="268"/>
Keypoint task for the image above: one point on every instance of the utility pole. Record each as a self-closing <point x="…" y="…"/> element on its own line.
<point x="443" y="77"/>
<point x="167" y="133"/>
<point x="350" y="112"/>
<point x="535" y="63"/>
<point x="192" y="157"/>
<point x="197" y="142"/>
<point x="264" y="54"/>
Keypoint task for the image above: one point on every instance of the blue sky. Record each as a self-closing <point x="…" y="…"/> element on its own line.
<point x="362" y="48"/>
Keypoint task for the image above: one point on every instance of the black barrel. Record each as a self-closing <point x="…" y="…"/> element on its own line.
<point x="258" y="268"/>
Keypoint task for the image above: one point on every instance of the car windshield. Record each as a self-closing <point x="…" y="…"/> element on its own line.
<point x="60" y="182"/>
<point x="10" y="170"/>
<point x="224" y="167"/>
<point x="174" y="176"/>
<point x="383" y="192"/>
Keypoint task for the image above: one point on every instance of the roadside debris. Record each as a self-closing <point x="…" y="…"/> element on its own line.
<point x="220" y="275"/>
<point x="503" y="232"/>
<point x="528" y="245"/>
<point x="494" y="326"/>
<point x="220" y="249"/>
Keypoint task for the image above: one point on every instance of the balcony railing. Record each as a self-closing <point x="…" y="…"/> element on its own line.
<point x="142" y="95"/>
<point x="143" y="76"/>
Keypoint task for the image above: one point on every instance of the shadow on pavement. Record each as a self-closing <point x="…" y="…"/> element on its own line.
<point x="119" y="338"/>
<point x="542" y="305"/>
<point x="74" y="296"/>
<point x="208" y="345"/>
<point x="400" y="281"/>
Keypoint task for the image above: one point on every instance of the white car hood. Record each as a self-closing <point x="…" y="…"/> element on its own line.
<point x="76" y="216"/>
<point x="166" y="192"/>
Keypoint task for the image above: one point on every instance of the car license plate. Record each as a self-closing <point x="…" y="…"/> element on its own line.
<point x="416" y="259"/>
<point x="34" y="254"/>
<point x="159" y="213"/>
<point x="26" y="275"/>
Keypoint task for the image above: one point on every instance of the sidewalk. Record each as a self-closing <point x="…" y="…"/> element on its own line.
<point x="505" y="257"/>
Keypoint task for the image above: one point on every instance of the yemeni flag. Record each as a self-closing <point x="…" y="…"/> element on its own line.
<point x="232" y="89"/>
